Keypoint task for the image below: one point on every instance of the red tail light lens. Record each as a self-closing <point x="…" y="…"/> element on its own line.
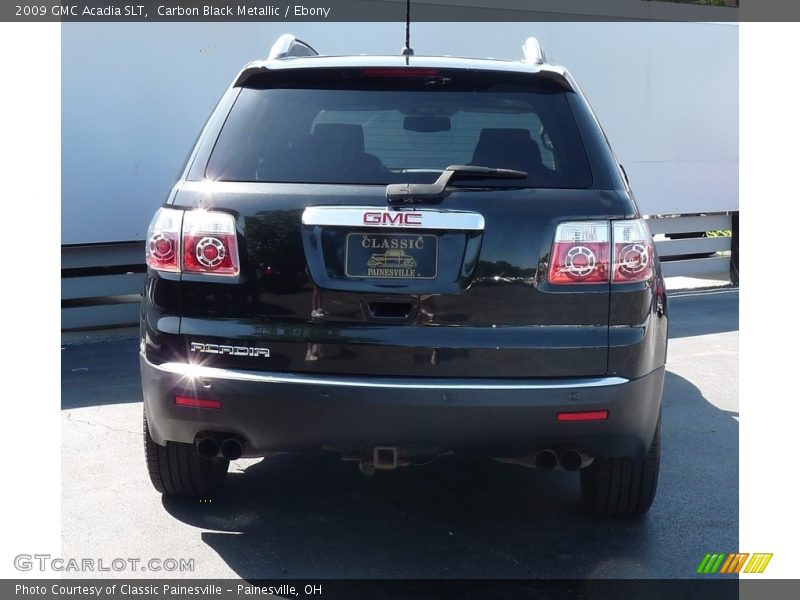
<point x="580" y="253"/>
<point x="633" y="251"/>
<point x="209" y="243"/>
<point x="206" y="241"/>
<point x="163" y="240"/>
<point x="583" y="253"/>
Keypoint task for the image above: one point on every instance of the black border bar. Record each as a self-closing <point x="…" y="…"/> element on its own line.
<point x="394" y="10"/>
<point x="707" y="588"/>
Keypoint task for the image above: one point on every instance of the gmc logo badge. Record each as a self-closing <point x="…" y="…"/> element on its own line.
<point x="393" y="219"/>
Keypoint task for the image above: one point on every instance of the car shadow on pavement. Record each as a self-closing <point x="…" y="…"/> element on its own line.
<point x="316" y="517"/>
<point x="703" y="312"/>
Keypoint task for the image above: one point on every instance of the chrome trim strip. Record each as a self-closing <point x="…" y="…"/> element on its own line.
<point x="195" y="371"/>
<point x="404" y="218"/>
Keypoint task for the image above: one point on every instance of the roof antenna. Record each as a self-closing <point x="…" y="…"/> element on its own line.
<point x="407" y="50"/>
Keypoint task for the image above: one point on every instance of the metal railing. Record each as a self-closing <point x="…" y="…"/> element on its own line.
<point x="687" y="248"/>
<point x="101" y="285"/>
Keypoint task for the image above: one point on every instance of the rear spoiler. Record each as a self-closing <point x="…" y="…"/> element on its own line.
<point x="288" y="47"/>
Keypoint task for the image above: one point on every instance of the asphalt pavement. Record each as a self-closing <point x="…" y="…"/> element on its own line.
<point x="314" y="517"/>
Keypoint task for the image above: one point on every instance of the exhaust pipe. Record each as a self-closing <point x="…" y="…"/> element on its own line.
<point x="546" y="459"/>
<point x="206" y="447"/>
<point x="231" y="449"/>
<point x="572" y="460"/>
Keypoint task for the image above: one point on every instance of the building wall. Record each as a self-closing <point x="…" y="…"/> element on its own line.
<point x="135" y="95"/>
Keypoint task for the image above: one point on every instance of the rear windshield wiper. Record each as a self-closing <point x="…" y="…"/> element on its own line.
<point x="407" y="193"/>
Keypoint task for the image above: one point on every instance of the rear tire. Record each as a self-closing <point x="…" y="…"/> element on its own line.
<point x="622" y="487"/>
<point x="177" y="470"/>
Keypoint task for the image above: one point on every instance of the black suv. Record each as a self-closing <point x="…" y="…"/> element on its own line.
<point x="398" y="257"/>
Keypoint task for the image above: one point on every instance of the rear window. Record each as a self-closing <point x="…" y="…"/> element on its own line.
<point x="378" y="130"/>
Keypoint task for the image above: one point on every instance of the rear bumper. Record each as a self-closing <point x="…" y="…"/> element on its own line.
<point x="280" y="411"/>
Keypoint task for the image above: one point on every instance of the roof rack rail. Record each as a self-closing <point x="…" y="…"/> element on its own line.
<point x="288" y="45"/>
<point x="532" y="52"/>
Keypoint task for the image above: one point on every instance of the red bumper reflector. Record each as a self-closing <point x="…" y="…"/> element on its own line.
<point x="197" y="402"/>
<point x="586" y="415"/>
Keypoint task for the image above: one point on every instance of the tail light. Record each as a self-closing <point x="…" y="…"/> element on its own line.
<point x="163" y="240"/>
<point x="601" y="251"/>
<point x="633" y="251"/>
<point x="580" y="253"/>
<point x="195" y="241"/>
<point x="209" y="243"/>
<point x="399" y="72"/>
